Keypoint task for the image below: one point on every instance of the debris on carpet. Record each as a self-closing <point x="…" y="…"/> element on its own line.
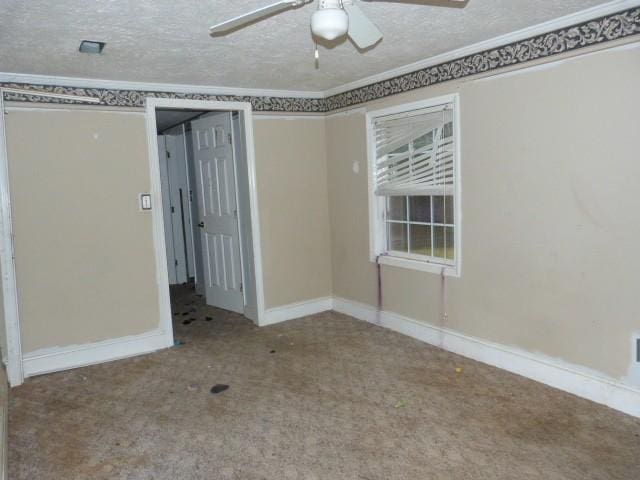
<point x="219" y="388"/>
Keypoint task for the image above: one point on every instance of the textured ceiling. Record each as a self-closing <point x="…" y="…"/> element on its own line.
<point x="167" y="41"/>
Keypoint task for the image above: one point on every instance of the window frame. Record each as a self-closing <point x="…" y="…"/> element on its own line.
<point x="377" y="203"/>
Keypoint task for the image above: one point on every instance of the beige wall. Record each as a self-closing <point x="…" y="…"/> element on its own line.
<point x="84" y="253"/>
<point x="294" y="213"/>
<point x="550" y="203"/>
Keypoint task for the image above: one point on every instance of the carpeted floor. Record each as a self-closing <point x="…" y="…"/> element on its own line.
<point x="323" y="397"/>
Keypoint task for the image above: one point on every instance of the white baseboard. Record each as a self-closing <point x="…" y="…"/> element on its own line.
<point x="570" y="378"/>
<point x="63" y="358"/>
<point x="297" y="310"/>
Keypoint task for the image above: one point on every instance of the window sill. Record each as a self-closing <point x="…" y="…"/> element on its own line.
<point x="449" y="270"/>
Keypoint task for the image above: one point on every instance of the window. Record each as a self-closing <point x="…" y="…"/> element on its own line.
<point x="415" y="191"/>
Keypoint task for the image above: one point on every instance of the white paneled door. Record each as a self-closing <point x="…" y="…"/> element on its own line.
<point x="216" y="191"/>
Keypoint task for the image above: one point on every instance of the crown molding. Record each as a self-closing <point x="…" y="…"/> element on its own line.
<point x="499" y="41"/>
<point x="67" y="90"/>
<point x="77" y="82"/>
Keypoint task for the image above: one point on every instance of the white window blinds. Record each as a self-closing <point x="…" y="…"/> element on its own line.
<point x="414" y="152"/>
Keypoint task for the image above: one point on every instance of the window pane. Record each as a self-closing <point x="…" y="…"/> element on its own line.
<point x="403" y="149"/>
<point x="448" y="210"/>
<point x="438" y="209"/>
<point x="420" y="209"/>
<point x="396" y="208"/>
<point x="438" y="242"/>
<point x="397" y="236"/>
<point x="420" y="239"/>
<point x="423" y="141"/>
<point x="450" y="243"/>
<point x="448" y="130"/>
<point x="443" y="209"/>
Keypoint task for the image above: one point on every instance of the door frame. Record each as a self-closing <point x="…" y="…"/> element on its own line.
<point x="162" y="277"/>
<point x="15" y="373"/>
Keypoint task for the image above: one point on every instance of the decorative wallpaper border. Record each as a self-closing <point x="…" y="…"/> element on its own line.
<point x="136" y="98"/>
<point x="593" y="32"/>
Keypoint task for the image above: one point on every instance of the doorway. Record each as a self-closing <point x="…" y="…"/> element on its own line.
<point x="205" y="214"/>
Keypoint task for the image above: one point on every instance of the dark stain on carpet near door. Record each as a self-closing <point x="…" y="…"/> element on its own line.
<point x="341" y="399"/>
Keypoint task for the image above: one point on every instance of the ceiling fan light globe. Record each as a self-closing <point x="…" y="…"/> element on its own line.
<point x="329" y="23"/>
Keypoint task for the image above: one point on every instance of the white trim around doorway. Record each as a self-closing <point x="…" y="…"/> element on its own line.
<point x="13" y="360"/>
<point x="162" y="277"/>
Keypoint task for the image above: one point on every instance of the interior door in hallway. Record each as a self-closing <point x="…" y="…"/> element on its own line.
<point x="179" y="203"/>
<point x="217" y="200"/>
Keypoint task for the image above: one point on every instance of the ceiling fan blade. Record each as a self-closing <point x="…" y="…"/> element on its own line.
<point x="241" y="20"/>
<point x="362" y="31"/>
<point x="432" y="3"/>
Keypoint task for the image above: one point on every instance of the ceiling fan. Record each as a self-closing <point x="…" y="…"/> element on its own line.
<point x="332" y="19"/>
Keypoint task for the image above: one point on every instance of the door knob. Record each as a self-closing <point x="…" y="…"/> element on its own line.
<point x="201" y="224"/>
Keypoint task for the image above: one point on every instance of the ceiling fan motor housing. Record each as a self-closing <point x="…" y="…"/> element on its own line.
<point x="330" y="21"/>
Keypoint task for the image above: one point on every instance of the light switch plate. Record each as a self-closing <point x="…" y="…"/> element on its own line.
<point x="145" y="201"/>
